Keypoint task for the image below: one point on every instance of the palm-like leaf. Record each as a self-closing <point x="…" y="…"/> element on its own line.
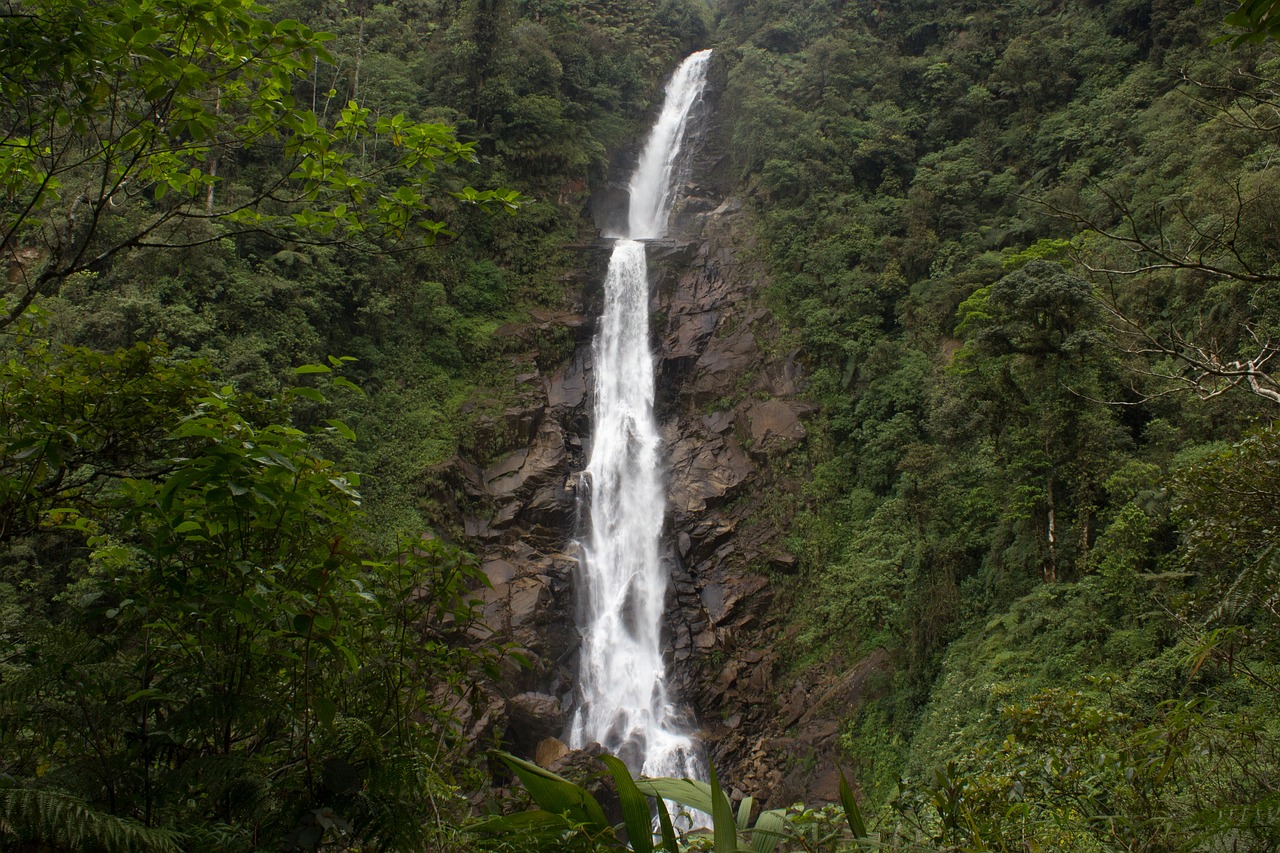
<point x="66" y="822"/>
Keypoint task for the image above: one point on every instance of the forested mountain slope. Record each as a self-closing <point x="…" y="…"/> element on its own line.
<point x="1018" y="258"/>
<point x="237" y="251"/>
<point x="1027" y="251"/>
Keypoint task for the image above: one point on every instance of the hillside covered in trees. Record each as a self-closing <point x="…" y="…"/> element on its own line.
<point x="261" y="279"/>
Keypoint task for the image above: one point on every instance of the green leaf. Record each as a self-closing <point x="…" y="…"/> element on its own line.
<point x="686" y="792"/>
<point x="343" y="382"/>
<point x="724" y="828"/>
<point x="852" y="814"/>
<point x="148" y="695"/>
<point x="635" y="806"/>
<point x="341" y="651"/>
<point x="542" y="829"/>
<point x="311" y="368"/>
<point x="558" y="795"/>
<point x="74" y="820"/>
<point x="343" y="430"/>
<point x="308" y="394"/>
<point x="669" y="843"/>
<point x="326" y="710"/>
<point x="770" y="829"/>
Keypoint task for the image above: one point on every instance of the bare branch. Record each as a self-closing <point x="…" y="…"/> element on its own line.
<point x="1199" y="254"/>
<point x="1205" y="369"/>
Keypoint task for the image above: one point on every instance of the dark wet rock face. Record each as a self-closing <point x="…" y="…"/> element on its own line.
<point x="518" y="514"/>
<point x="733" y="412"/>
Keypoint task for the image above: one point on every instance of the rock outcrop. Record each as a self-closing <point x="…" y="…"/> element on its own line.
<point x="733" y="413"/>
<point x="518" y="514"/>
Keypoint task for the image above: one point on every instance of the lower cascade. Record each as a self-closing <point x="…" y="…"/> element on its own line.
<point x="623" y="699"/>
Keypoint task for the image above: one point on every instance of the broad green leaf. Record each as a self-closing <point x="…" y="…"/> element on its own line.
<point x="343" y="382"/>
<point x="345" y="431"/>
<point x="557" y="794"/>
<point x="669" y="843"/>
<point x="635" y="806"/>
<point x="342" y="651"/>
<point x="326" y="710"/>
<point x="769" y="830"/>
<point x="686" y="792"/>
<point x="308" y="394"/>
<point x="541" y="827"/>
<point x="150" y="694"/>
<point x="724" y="828"/>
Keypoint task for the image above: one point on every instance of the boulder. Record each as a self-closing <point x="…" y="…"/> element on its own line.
<point x="549" y="751"/>
<point x="779" y="419"/>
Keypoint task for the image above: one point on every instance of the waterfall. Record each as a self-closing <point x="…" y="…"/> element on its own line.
<point x="623" y="702"/>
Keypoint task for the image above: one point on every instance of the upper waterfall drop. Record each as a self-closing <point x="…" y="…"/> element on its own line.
<point x="623" y="700"/>
<point x="652" y="184"/>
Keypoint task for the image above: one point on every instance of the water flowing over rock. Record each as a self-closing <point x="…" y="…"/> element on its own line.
<point x="623" y="702"/>
<point x="653" y="182"/>
<point x="728" y="400"/>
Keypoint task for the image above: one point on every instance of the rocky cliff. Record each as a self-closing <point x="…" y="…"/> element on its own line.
<point x="732" y="410"/>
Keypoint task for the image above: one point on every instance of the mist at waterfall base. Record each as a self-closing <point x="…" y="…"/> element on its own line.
<point x="623" y="701"/>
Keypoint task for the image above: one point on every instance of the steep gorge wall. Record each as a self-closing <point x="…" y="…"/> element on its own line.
<point x="732" y="413"/>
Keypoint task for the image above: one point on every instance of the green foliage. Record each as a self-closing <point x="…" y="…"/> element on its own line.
<point x="569" y="817"/>
<point x="999" y="498"/>
<point x="70" y="419"/>
<point x="1255" y="21"/>
<point x="227" y="660"/>
<point x="949" y="201"/>
<point x="1074" y="771"/>
<point x="635" y="809"/>
<point x="135" y="107"/>
<point x="857" y="826"/>
<point x="65" y="822"/>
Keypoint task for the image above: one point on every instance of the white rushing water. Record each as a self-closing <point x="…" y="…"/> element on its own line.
<point x="623" y="702"/>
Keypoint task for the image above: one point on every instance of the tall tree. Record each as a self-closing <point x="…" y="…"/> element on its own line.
<point x="117" y="120"/>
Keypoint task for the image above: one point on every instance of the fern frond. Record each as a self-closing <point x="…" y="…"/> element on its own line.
<point x="1226" y="826"/>
<point x="52" y="817"/>
<point x="241" y="780"/>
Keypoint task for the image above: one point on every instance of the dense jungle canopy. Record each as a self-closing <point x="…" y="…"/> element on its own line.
<point x="257" y="260"/>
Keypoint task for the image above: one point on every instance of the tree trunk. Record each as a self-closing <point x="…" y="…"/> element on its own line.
<point x="1051" y="566"/>
<point x="213" y="157"/>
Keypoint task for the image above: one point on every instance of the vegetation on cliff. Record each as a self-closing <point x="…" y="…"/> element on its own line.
<point x="236" y="251"/>
<point x="1025" y="250"/>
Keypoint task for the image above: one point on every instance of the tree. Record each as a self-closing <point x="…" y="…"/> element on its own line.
<point x="229" y="666"/>
<point x="1212" y="237"/>
<point x="1220" y="336"/>
<point x="119" y="121"/>
<point x="1032" y="359"/>
<point x="1255" y="21"/>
